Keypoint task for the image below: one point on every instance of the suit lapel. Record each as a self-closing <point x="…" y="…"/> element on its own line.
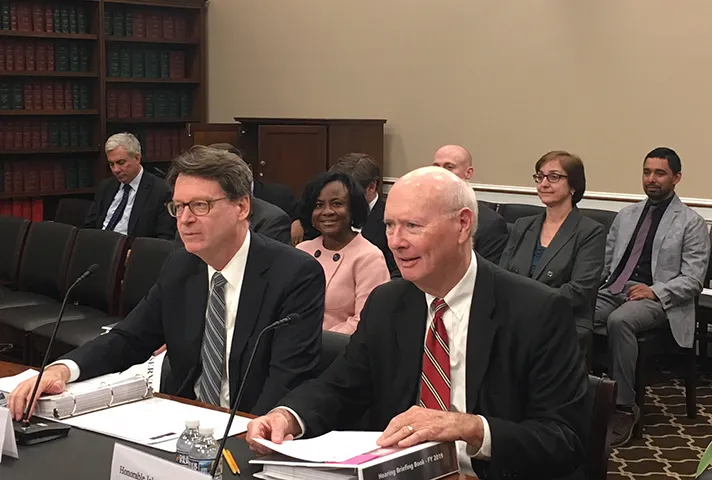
<point x="144" y="190"/>
<point x="666" y="223"/>
<point x="480" y="332"/>
<point x="524" y="247"/>
<point x="196" y="293"/>
<point x="410" y="337"/>
<point x="562" y="237"/>
<point x="248" y="308"/>
<point x="109" y="193"/>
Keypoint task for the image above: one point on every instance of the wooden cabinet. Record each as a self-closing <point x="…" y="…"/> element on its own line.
<point x="293" y="150"/>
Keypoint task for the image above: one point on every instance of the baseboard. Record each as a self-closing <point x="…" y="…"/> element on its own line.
<point x="600" y="200"/>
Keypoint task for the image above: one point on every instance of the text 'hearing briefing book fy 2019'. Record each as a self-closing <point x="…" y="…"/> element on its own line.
<point x="355" y="456"/>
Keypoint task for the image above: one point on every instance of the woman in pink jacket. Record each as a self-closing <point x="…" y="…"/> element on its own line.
<point x="334" y="204"/>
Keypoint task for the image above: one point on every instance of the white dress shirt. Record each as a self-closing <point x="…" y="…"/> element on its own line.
<point x="234" y="273"/>
<point x="456" y="319"/>
<point x="123" y="225"/>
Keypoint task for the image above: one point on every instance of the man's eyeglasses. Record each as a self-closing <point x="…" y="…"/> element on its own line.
<point x="552" y="177"/>
<point x="199" y="208"/>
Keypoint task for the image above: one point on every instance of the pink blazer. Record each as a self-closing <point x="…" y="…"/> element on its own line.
<point x="351" y="274"/>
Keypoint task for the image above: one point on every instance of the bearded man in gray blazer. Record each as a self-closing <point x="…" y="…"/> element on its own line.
<point x="656" y="260"/>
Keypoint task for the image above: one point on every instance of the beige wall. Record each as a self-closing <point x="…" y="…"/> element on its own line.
<point x="608" y="80"/>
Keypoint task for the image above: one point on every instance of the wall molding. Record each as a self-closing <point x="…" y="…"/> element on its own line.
<point x="600" y="200"/>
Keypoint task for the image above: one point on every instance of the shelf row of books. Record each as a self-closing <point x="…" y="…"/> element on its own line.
<point x="45" y="176"/>
<point x="44" y="134"/>
<point x="43" y="17"/>
<point x="135" y="103"/>
<point x="149" y="24"/>
<point x="160" y="144"/>
<point x="144" y="62"/>
<point x="31" y="209"/>
<point x="44" y="56"/>
<point x="47" y="95"/>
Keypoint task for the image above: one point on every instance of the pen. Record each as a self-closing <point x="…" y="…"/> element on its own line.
<point x="231" y="462"/>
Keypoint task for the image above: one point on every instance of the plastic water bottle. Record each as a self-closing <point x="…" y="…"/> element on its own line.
<point x="203" y="453"/>
<point x="186" y="440"/>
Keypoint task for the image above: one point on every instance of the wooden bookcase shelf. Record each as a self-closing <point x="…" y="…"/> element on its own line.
<point x="117" y="44"/>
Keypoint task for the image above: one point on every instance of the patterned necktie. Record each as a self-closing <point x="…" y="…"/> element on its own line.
<point x="119" y="212"/>
<point x="212" y="353"/>
<point x="618" y="286"/>
<point x="435" y="377"/>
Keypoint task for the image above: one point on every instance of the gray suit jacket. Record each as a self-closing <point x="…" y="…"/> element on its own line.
<point x="271" y="221"/>
<point x="572" y="262"/>
<point x="679" y="261"/>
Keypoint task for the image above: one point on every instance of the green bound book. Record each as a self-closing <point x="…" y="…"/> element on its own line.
<point x="71" y="176"/>
<point x="173" y="99"/>
<point x="64" y="18"/>
<point x="5" y="15"/>
<point x="113" y="62"/>
<point x="18" y="98"/>
<point x="128" y="24"/>
<point x="84" y="133"/>
<point x="5" y="92"/>
<point x="84" y="100"/>
<point x="150" y="106"/>
<point x="73" y="133"/>
<point x="138" y="63"/>
<point x="83" y="58"/>
<point x="58" y="19"/>
<point x="82" y="24"/>
<point x="74" y="60"/>
<point x="165" y="64"/>
<point x="108" y="23"/>
<point x="161" y="104"/>
<point x="153" y="69"/>
<point x="76" y="103"/>
<point x="125" y="62"/>
<point x="73" y="28"/>
<point x="119" y="24"/>
<point x="64" y="133"/>
<point x="61" y="57"/>
<point x="84" y="173"/>
<point x="186" y="104"/>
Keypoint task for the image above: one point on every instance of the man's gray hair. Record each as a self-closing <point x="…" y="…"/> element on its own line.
<point x="460" y="196"/>
<point x="126" y="140"/>
<point x="229" y="170"/>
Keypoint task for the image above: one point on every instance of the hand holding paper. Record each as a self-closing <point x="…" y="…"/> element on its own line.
<point x="277" y="426"/>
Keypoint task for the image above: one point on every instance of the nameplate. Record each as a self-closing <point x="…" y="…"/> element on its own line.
<point x="8" y="446"/>
<point x="128" y="463"/>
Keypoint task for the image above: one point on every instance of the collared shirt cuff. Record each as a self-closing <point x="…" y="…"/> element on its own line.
<point x="485" y="450"/>
<point x="299" y="420"/>
<point x="74" y="370"/>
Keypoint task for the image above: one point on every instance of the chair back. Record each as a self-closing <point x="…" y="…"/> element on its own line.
<point x="512" y="211"/>
<point x="43" y="268"/>
<point x="72" y="211"/>
<point x="601" y="403"/>
<point x="332" y="345"/>
<point x="13" y="231"/>
<point x="484" y="204"/>
<point x="604" y="217"/>
<point x="108" y="250"/>
<point x="142" y="269"/>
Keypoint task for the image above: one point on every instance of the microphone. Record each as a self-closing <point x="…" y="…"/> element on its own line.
<point x="31" y="433"/>
<point x="292" y="317"/>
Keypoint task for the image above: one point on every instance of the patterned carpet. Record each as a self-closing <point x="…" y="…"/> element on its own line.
<point x="672" y="443"/>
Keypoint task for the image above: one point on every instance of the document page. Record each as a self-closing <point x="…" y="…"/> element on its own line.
<point x="333" y="447"/>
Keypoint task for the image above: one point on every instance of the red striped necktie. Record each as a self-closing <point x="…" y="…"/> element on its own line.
<point x="435" y="378"/>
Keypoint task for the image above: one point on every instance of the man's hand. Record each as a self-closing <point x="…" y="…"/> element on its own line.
<point x="54" y="380"/>
<point x="277" y="426"/>
<point x="297" y="233"/>
<point x="418" y="425"/>
<point x="640" y="291"/>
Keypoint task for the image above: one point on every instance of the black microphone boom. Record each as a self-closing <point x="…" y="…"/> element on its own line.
<point x="29" y="433"/>
<point x="292" y="317"/>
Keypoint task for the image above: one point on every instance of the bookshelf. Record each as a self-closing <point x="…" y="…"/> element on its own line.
<point x="73" y="72"/>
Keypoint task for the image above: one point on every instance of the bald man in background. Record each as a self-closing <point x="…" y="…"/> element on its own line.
<point x="491" y="234"/>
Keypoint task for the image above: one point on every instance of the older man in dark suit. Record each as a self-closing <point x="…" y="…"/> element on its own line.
<point x="457" y="350"/>
<point x="133" y="201"/>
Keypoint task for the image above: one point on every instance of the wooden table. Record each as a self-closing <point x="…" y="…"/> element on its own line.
<point x="9" y="369"/>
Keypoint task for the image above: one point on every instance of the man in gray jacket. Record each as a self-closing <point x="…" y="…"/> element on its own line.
<point x="656" y="261"/>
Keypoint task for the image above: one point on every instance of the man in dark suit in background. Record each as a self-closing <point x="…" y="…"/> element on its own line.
<point x="211" y="301"/>
<point x="366" y="172"/>
<point x="133" y="201"/>
<point x="457" y="350"/>
<point x="492" y="234"/>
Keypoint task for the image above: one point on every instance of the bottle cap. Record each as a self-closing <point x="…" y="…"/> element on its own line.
<point x="192" y="423"/>
<point x="206" y="431"/>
